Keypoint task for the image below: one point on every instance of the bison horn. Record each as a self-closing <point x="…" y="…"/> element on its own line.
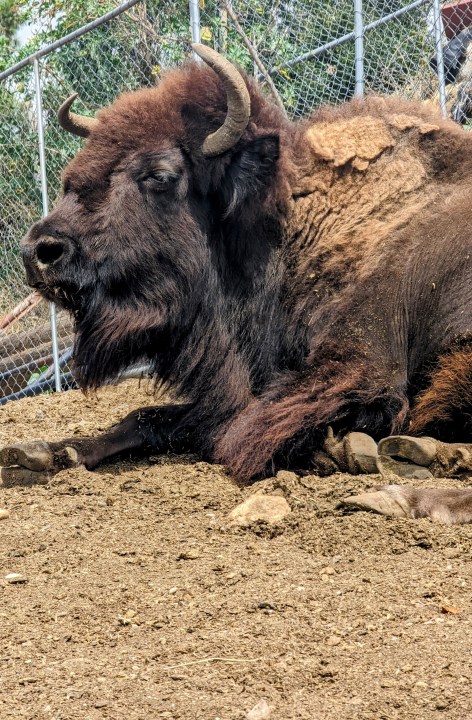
<point x="239" y="102"/>
<point x="80" y="125"/>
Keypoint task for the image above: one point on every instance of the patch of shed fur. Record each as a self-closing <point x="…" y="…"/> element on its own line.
<point x="363" y="182"/>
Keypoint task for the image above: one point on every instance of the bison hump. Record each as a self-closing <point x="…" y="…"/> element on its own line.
<point x="360" y="140"/>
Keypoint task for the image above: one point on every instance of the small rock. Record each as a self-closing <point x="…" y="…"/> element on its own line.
<point x="442" y="704"/>
<point x="333" y="640"/>
<point x="15" y="578"/>
<point x="188" y="555"/>
<point x="4" y="514"/>
<point x="128" y="618"/>
<point x="328" y="571"/>
<point x="269" y="508"/>
<point x="264" y="605"/>
<point x="261" y="711"/>
<point x="286" y="476"/>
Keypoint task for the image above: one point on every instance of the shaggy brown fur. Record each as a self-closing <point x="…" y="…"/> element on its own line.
<point x="445" y="404"/>
<point x="313" y="275"/>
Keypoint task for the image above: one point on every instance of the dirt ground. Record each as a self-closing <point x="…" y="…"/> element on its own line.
<point x="140" y="602"/>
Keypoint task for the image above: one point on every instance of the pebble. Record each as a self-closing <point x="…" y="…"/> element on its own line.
<point x="269" y="508"/>
<point x="127" y="618"/>
<point x="333" y="640"/>
<point x="15" y="578"/>
<point x="4" y="514"/>
<point x="189" y="555"/>
<point x="328" y="571"/>
<point x="261" y="711"/>
<point x="286" y="476"/>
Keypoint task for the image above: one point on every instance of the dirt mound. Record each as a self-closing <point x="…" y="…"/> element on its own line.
<point x="140" y="602"/>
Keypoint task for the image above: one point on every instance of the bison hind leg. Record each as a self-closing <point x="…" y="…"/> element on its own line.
<point x="400" y="453"/>
<point x="411" y="457"/>
<point x="450" y="507"/>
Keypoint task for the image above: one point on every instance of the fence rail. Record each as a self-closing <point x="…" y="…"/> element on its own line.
<point x="305" y="53"/>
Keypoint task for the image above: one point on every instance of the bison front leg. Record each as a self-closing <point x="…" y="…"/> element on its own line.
<point x="355" y="453"/>
<point x="153" y="429"/>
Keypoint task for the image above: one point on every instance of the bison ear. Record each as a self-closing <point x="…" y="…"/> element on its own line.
<point x="250" y="172"/>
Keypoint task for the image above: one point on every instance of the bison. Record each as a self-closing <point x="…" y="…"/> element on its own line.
<point x="304" y="289"/>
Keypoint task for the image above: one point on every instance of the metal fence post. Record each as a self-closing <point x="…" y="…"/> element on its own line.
<point x="359" y="47"/>
<point x="439" y="55"/>
<point x="44" y="195"/>
<point x="194" y="9"/>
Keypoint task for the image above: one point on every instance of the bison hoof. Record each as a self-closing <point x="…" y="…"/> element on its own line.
<point x="450" y="507"/>
<point x="13" y="476"/>
<point x="355" y="453"/>
<point x="407" y="457"/>
<point x="361" y="452"/>
<point x="386" y="500"/>
<point x="422" y="458"/>
<point x="35" y="456"/>
<point x="34" y="462"/>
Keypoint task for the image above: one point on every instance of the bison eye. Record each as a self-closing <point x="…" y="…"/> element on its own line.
<point x="159" y="181"/>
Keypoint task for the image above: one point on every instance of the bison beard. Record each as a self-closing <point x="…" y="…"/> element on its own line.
<point x="295" y="284"/>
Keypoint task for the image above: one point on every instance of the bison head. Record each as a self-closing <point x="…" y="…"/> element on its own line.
<point x="155" y="208"/>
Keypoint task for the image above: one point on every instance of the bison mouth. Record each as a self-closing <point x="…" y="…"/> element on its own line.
<point x="64" y="296"/>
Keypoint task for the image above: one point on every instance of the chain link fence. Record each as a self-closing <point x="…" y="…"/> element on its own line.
<point x="304" y="52"/>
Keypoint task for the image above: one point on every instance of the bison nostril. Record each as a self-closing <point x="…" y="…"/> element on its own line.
<point x="50" y="252"/>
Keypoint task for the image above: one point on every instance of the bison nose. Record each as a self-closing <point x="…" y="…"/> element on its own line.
<point x="47" y="252"/>
<point x="50" y="251"/>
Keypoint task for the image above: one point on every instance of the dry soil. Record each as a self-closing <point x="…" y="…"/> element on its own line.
<point x="140" y="602"/>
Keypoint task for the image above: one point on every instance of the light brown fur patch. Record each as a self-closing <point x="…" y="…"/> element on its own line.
<point x="362" y="138"/>
<point x="349" y="211"/>
<point x="402" y="121"/>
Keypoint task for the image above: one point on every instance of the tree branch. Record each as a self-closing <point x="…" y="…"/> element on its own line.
<point x="254" y="54"/>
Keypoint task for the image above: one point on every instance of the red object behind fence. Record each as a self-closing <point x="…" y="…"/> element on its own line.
<point x="456" y="16"/>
